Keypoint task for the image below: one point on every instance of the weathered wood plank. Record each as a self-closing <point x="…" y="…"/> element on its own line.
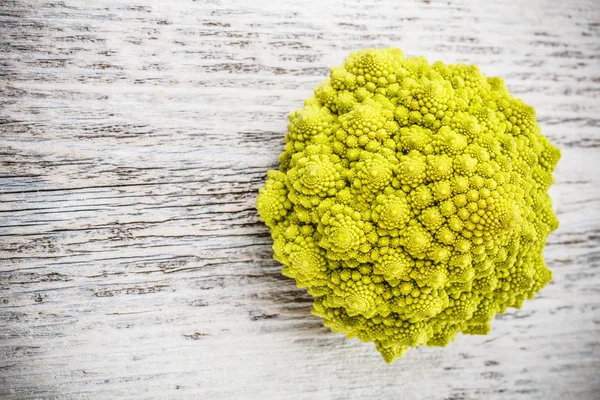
<point x="133" y="137"/>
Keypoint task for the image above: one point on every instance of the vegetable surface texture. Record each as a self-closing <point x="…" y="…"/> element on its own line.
<point x="411" y="200"/>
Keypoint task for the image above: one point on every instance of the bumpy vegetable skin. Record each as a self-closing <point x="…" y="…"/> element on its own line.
<point x="411" y="200"/>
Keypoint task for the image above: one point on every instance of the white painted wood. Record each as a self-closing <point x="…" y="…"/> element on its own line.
<point x="133" y="137"/>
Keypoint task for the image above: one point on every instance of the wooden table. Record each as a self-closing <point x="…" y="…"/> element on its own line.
<point x="133" y="137"/>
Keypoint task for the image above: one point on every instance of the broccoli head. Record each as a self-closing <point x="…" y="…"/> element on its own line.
<point x="411" y="200"/>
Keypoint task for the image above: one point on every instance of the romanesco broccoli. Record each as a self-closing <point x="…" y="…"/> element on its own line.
<point x="411" y="200"/>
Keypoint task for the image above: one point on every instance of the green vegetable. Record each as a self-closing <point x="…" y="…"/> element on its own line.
<point x="411" y="200"/>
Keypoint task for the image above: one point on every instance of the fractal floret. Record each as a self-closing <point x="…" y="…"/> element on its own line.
<point x="411" y="200"/>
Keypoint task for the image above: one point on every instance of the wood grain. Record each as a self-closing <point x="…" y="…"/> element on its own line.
<point x="133" y="137"/>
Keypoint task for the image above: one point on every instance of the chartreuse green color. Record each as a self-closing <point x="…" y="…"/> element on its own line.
<point x="412" y="200"/>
